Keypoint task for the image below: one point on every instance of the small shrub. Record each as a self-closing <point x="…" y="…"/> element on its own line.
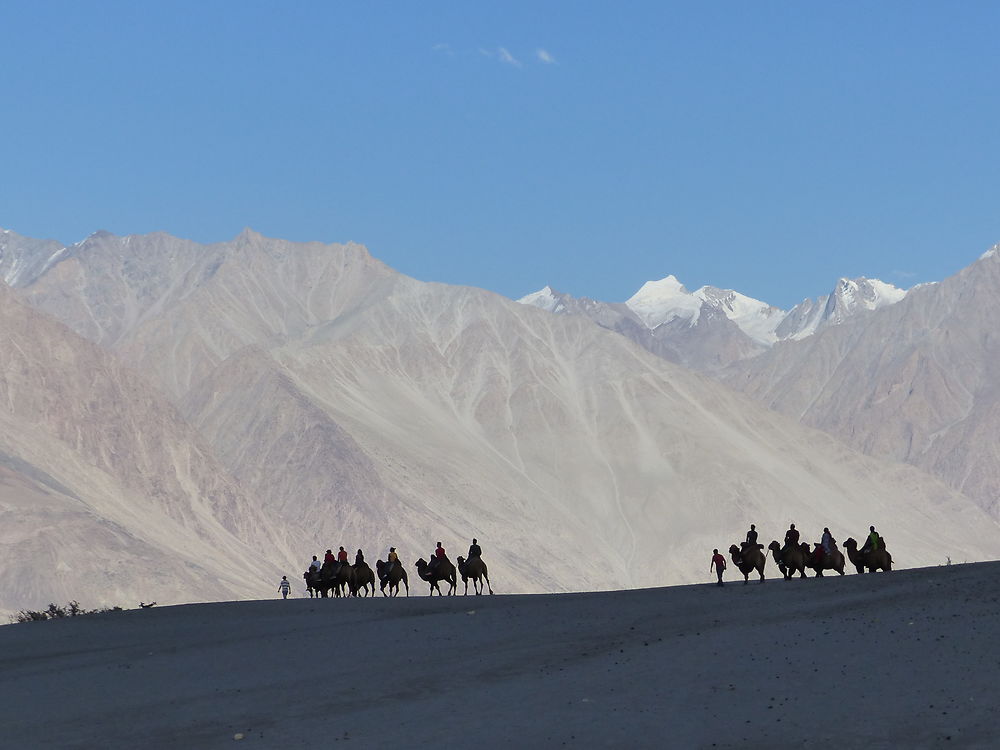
<point x="55" y="612"/>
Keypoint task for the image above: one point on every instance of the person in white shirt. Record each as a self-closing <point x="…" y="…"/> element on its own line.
<point x="284" y="587"/>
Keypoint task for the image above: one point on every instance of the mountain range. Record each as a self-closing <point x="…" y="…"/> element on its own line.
<point x="197" y="419"/>
<point x="711" y="327"/>
<point x="899" y="375"/>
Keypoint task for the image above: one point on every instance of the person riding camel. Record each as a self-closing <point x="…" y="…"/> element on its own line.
<point x="315" y="564"/>
<point x="328" y="557"/>
<point x="873" y="542"/>
<point x="342" y="555"/>
<point x="359" y="558"/>
<point x="437" y="557"/>
<point x="791" y="539"/>
<point x="828" y="542"/>
<point x="818" y="553"/>
<point x="475" y="550"/>
<point x="752" y="536"/>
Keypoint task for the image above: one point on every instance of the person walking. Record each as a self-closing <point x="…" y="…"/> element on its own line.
<point x="284" y="587"/>
<point x="719" y="563"/>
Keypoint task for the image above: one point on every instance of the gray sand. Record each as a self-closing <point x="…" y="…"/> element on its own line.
<point x="908" y="658"/>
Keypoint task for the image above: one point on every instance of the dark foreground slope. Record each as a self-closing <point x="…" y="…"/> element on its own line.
<point x="906" y="659"/>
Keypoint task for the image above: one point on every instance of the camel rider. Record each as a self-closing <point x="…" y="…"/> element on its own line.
<point x="315" y="565"/>
<point x="475" y="550"/>
<point x="329" y="558"/>
<point x="791" y="539"/>
<point x="752" y="536"/>
<point x="359" y="558"/>
<point x="342" y="556"/>
<point x="873" y="542"/>
<point x="438" y="556"/>
<point x="393" y="557"/>
<point x="828" y="541"/>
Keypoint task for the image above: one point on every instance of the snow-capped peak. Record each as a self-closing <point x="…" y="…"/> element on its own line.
<point x="547" y="299"/>
<point x="991" y="253"/>
<point x="756" y="319"/>
<point x="658" y="302"/>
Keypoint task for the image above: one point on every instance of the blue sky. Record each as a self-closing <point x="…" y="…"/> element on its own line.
<point x="766" y="147"/>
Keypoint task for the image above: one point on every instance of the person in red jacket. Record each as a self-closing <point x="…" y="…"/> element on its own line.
<point x="438" y="556"/>
<point x="328" y="557"/>
<point x="719" y="563"/>
<point x="342" y="555"/>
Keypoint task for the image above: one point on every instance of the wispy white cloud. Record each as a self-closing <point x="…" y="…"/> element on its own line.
<point x="505" y="57"/>
<point x="500" y="54"/>
<point x="903" y="274"/>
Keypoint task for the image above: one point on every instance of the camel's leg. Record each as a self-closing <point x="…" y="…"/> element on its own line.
<point x="488" y="583"/>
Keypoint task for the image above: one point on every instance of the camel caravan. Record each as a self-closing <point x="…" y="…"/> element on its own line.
<point x="336" y="574"/>
<point x="795" y="557"/>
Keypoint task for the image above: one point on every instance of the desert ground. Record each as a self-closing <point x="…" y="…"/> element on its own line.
<point x="902" y="659"/>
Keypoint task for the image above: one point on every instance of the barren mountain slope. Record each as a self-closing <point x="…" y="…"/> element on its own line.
<point x="107" y="493"/>
<point x="397" y="412"/>
<point x="580" y="457"/>
<point x="914" y="382"/>
<point x="175" y="308"/>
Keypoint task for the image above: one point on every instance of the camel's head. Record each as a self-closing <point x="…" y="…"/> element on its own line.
<point x="421" y="563"/>
<point x="850" y="543"/>
<point x="460" y="559"/>
<point x="733" y="549"/>
<point x="774" y="546"/>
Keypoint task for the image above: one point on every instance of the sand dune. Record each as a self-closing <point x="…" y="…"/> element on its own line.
<point x="906" y="659"/>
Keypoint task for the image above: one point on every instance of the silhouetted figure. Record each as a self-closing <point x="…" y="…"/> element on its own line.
<point x="873" y="542"/>
<point x="284" y="587"/>
<point x="752" y="536"/>
<point x="359" y="557"/>
<point x="719" y="563"/>
<point x="828" y="541"/>
<point x="437" y="556"/>
<point x="475" y="550"/>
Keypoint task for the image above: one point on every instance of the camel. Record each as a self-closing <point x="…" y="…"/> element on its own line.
<point x="335" y="576"/>
<point x="320" y="581"/>
<point x="475" y="569"/>
<point x="443" y="571"/>
<point x="363" y="579"/>
<point x="833" y="561"/>
<point x="309" y="587"/>
<point x="748" y="559"/>
<point x="873" y="560"/>
<point x="392" y="577"/>
<point x="793" y="559"/>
